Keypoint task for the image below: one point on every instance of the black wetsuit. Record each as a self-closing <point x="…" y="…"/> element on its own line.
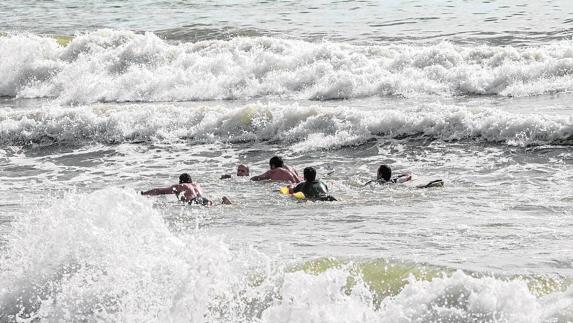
<point x="315" y="190"/>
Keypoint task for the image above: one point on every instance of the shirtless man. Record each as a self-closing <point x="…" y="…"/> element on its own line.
<point x="278" y="172"/>
<point x="186" y="191"/>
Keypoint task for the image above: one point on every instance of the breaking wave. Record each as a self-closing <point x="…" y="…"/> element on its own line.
<point x="303" y="127"/>
<point x="121" y="66"/>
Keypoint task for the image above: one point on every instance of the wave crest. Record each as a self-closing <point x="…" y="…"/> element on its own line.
<point x="120" y="66"/>
<point x="305" y="128"/>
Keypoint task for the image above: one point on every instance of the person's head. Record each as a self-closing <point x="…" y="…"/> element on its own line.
<point x="185" y="178"/>
<point x="384" y="172"/>
<point x="309" y="174"/>
<point x="242" y="170"/>
<point x="275" y="162"/>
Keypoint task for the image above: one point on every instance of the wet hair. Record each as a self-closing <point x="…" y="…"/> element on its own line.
<point x="185" y="178"/>
<point x="276" y="161"/>
<point x="309" y="174"/>
<point x="384" y="172"/>
<point x="243" y="168"/>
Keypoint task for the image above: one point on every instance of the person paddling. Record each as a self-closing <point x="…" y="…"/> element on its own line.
<point x="186" y="191"/>
<point x="312" y="188"/>
<point x="384" y="176"/>
<point x="278" y="172"/>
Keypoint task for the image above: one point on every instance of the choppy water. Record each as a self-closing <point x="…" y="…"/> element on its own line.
<point x="100" y="100"/>
<point x="499" y="22"/>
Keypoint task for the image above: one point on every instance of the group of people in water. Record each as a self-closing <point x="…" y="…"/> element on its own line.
<point x="312" y="188"/>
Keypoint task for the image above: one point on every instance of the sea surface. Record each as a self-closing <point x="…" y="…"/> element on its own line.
<point x="100" y="100"/>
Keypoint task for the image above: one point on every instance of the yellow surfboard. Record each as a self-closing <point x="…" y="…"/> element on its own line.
<point x="297" y="195"/>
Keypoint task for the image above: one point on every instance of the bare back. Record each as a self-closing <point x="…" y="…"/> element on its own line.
<point x="188" y="191"/>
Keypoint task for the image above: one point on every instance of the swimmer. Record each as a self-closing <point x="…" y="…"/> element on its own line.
<point x="278" y="172"/>
<point x="384" y="176"/>
<point x="242" y="170"/>
<point x="312" y="188"/>
<point x="186" y="191"/>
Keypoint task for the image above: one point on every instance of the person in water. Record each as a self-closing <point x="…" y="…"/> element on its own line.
<point x="312" y="188"/>
<point x="242" y="170"/>
<point x="186" y="191"/>
<point x="384" y="176"/>
<point x="278" y="172"/>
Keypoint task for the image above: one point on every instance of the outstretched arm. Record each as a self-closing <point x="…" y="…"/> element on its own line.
<point x="159" y="191"/>
<point x="262" y="177"/>
<point x="370" y="181"/>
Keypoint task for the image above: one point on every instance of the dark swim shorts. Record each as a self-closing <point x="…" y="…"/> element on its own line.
<point x="201" y="201"/>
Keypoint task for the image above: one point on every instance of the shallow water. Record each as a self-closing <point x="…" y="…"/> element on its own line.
<point x="475" y="93"/>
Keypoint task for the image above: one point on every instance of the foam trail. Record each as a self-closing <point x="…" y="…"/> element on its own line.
<point x="119" y="66"/>
<point x="306" y="128"/>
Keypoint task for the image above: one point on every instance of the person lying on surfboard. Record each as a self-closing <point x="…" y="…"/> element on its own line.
<point x="242" y="170"/>
<point x="384" y="176"/>
<point x="312" y="188"/>
<point x="186" y="191"/>
<point x="278" y="172"/>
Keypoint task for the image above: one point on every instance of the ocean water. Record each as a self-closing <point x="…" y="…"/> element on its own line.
<point x="102" y="99"/>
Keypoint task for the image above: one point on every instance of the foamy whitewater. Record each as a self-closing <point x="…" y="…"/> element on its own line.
<point x="99" y="101"/>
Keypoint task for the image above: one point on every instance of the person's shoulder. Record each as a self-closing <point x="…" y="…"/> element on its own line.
<point x="298" y="186"/>
<point x="269" y="172"/>
<point x="282" y="171"/>
<point x="176" y="187"/>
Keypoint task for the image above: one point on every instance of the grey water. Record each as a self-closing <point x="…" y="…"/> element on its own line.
<point x="496" y="22"/>
<point x="103" y="99"/>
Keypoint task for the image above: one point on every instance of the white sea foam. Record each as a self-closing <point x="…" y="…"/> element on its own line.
<point x="451" y="298"/>
<point x="305" y="128"/>
<point x="109" y="256"/>
<point x="118" y="66"/>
